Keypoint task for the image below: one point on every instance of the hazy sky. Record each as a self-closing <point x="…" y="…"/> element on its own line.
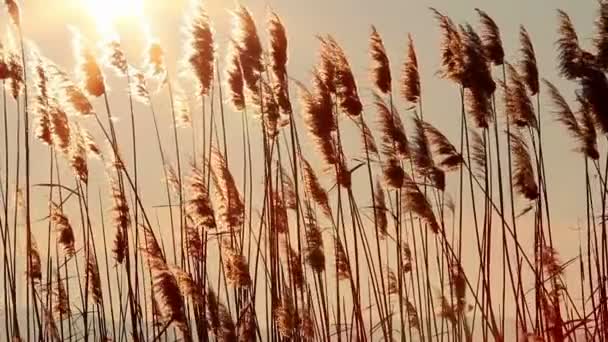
<point x="349" y="21"/>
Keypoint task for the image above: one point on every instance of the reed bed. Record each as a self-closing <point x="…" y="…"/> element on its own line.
<point x="307" y="238"/>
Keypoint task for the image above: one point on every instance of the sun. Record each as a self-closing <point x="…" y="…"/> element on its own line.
<point x="107" y="13"/>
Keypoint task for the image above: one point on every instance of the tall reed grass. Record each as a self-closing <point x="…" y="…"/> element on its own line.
<point x="313" y="239"/>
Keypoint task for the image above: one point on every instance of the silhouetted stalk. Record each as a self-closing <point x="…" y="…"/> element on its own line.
<point x="105" y="248"/>
<point x="114" y="144"/>
<point x="179" y="174"/>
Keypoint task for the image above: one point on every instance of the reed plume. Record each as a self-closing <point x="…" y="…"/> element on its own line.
<point x="70" y="95"/>
<point x="295" y="267"/>
<point x="476" y="65"/>
<point x="231" y="208"/>
<point x="406" y="261"/>
<point x="34" y="261"/>
<point x="479" y="106"/>
<point x="12" y="7"/>
<point x="281" y="224"/>
<point x="326" y="67"/>
<point x="268" y="108"/>
<point x="155" y="61"/>
<point x="422" y="157"/>
<point x="220" y="322"/>
<point x="524" y="180"/>
<point x="594" y="87"/>
<point x="395" y="146"/>
<point x="342" y="266"/>
<point x="412" y="315"/>
<point x="449" y="158"/>
<point x="587" y="127"/>
<point x="61" y="305"/>
<point x="343" y="78"/>
<point x="551" y="262"/>
<point x="381" y="68"/>
<point x="4" y="68"/>
<point x="314" y="188"/>
<point x="16" y="74"/>
<point x="115" y="57"/>
<point x="138" y="87"/>
<point x="393" y="286"/>
<point x="249" y="48"/>
<point x="78" y="154"/>
<point x="64" y="231"/>
<point x="319" y="118"/>
<point x="60" y="128"/>
<point x="573" y="60"/>
<point x="600" y="40"/>
<point x="394" y="175"/>
<point x="380" y="210"/>
<point x="167" y="293"/>
<point x="410" y="84"/>
<point x="199" y="207"/>
<point x="236" y="267"/>
<point x="200" y="49"/>
<point x="416" y="202"/>
<point x="529" y="68"/>
<point x="194" y="244"/>
<point x="150" y="247"/>
<point x="121" y="221"/>
<point x="187" y="285"/>
<point x="286" y="315"/>
<point x="278" y="47"/>
<point x="289" y="190"/>
<point x="394" y="140"/>
<point x="490" y="37"/>
<point x="315" y="256"/>
<point x="584" y="137"/>
<point x="452" y="59"/>
<point x="518" y="105"/>
<point x="278" y="62"/>
<point x="88" y="69"/>
<point x="93" y="278"/>
<point x="234" y="78"/>
<point x="42" y="120"/>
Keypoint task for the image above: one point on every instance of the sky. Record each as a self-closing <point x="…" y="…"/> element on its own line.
<point x="349" y="21"/>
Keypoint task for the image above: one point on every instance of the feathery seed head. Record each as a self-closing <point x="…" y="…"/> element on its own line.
<point x="381" y="70"/>
<point x="88" y="69"/>
<point x="200" y="55"/>
<point x="410" y="85"/>
<point x="490" y="36"/>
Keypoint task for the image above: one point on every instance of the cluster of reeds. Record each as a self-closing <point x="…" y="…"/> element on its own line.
<point x="338" y="243"/>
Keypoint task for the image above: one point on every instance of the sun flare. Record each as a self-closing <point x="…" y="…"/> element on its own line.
<point x="108" y="13"/>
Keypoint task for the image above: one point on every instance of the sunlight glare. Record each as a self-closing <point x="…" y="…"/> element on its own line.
<point x="107" y="13"/>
